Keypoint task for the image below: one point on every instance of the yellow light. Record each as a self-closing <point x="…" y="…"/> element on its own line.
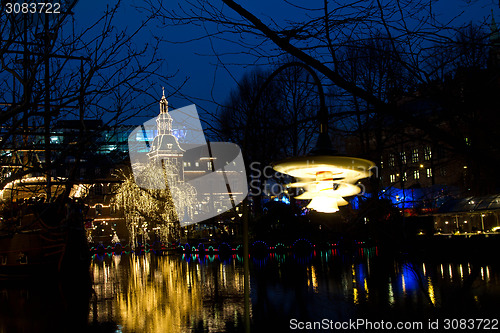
<point x="326" y="179"/>
<point x="323" y="205"/>
<point x="431" y="291"/>
<point x="32" y="186"/>
<point x="421" y="165"/>
<point x="340" y="167"/>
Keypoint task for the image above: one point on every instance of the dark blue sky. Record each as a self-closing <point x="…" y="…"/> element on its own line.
<point x="207" y="79"/>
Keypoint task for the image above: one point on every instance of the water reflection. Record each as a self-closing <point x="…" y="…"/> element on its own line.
<point x="205" y="293"/>
<point x="341" y="286"/>
<point x="150" y="293"/>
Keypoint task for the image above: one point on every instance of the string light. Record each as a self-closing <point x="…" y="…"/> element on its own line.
<point x="141" y="205"/>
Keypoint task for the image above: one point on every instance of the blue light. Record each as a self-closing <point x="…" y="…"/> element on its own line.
<point x="361" y="274"/>
<point x="356" y="201"/>
<point x="180" y="134"/>
<point x="410" y="278"/>
<point x="149" y="135"/>
<point x="283" y="199"/>
<point x="407" y="198"/>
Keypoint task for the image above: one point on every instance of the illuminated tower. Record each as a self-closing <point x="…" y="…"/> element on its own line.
<point x="165" y="148"/>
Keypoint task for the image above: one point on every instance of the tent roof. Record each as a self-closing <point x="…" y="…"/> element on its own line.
<point x="471" y="204"/>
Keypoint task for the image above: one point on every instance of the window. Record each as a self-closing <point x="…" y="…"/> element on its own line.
<point x="98" y="209"/>
<point x="442" y="171"/>
<point x="416" y="174"/>
<point x="429" y="172"/>
<point x="185" y="163"/>
<point x="197" y="164"/>
<point x="391" y="160"/>
<point x="467" y="141"/>
<point x="405" y="176"/>
<point x="209" y="165"/>
<point x="427" y="153"/>
<point x="392" y="178"/>
<point x="414" y="155"/>
<point x="403" y="157"/>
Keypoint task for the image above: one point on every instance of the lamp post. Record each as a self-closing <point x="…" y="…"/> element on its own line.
<point x="326" y="177"/>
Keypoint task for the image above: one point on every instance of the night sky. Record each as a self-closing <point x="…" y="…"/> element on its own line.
<point x="207" y="79"/>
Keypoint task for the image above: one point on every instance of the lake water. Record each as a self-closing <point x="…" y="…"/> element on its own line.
<point x="205" y="293"/>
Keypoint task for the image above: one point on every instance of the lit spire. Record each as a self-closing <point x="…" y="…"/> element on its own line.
<point x="163" y="102"/>
<point x="164" y="120"/>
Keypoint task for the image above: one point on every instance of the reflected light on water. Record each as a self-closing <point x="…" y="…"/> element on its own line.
<point x="354" y="286"/>
<point x="314" y="280"/>
<point x="165" y="294"/>
<point x="205" y="292"/>
<point x="366" y="289"/>
<point x="391" y="293"/>
<point x="430" y="290"/>
<point x="403" y="283"/>
<point x="355" y="295"/>
<point x="144" y="304"/>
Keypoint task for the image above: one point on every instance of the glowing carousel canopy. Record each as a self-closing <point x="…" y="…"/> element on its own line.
<point x="326" y="179"/>
<point x="33" y="187"/>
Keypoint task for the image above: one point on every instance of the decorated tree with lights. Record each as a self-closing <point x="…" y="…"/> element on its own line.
<point x="152" y="207"/>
